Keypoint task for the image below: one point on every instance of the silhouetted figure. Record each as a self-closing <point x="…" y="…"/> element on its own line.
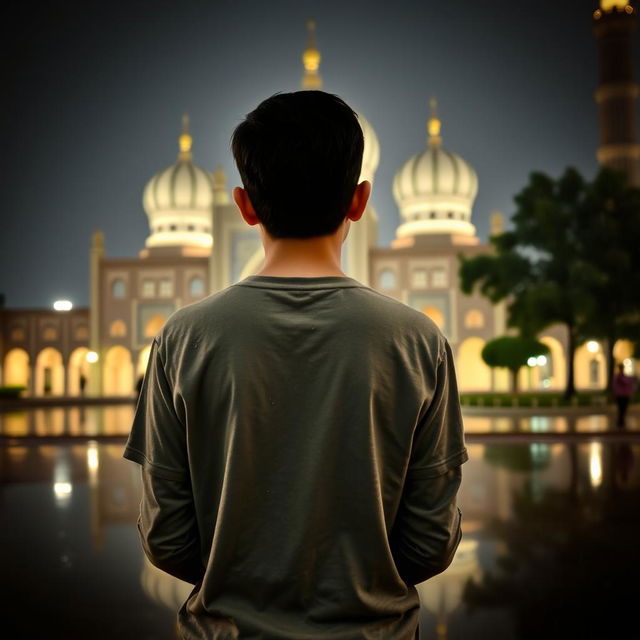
<point x="83" y="383"/>
<point x="623" y="388"/>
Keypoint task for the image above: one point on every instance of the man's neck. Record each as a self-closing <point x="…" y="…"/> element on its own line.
<point x="302" y="257"/>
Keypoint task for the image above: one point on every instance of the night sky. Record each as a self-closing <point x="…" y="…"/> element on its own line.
<point x="94" y="92"/>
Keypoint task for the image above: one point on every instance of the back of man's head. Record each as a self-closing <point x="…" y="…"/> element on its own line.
<point x="299" y="156"/>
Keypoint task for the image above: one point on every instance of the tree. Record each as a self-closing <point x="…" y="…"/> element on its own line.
<point x="512" y="352"/>
<point x="534" y="265"/>
<point x="609" y="234"/>
<point x="571" y="258"/>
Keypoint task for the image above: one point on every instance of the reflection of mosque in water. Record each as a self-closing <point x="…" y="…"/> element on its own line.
<point x="493" y="476"/>
<point x="198" y="245"/>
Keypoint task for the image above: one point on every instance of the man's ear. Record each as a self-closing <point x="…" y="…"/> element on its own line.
<point x="248" y="213"/>
<point x="359" y="201"/>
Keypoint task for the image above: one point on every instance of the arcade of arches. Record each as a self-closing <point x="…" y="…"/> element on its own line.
<point x="48" y="374"/>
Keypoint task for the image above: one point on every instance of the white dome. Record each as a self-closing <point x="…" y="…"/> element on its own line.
<point x="371" y="155"/>
<point x="435" y="190"/>
<point x="178" y="202"/>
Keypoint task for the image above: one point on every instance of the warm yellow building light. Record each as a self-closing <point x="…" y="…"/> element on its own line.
<point x="92" y="356"/>
<point x="610" y="5"/>
<point x="63" y="305"/>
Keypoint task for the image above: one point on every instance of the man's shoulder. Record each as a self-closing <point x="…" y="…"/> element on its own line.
<point x="197" y="315"/>
<point x="404" y="317"/>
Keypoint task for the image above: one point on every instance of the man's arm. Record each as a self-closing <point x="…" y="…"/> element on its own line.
<point x="157" y="442"/>
<point x="168" y="528"/>
<point x="426" y="531"/>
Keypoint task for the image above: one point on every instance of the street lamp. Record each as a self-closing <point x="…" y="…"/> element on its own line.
<point x="63" y="305"/>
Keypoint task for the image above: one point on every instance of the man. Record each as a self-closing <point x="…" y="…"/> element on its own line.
<point x="299" y="433"/>
<point x="624" y="387"/>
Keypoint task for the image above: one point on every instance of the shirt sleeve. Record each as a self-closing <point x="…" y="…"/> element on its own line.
<point x="157" y="440"/>
<point x="438" y="442"/>
<point x="427" y="528"/>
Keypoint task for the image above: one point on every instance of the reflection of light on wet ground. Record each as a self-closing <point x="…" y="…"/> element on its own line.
<point x="544" y="423"/>
<point x="595" y="463"/>
<point x="88" y="491"/>
<point x="89" y="420"/>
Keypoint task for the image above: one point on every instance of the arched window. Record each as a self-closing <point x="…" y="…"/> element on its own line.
<point x="474" y="319"/>
<point x="17" y="334"/>
<point x="439" y="278"/>
<point x="118" y="329"/>
<point x="387" y="279"/>
<point x="118" y="289"/>
<point x="166" y="288"/>
<point x="419" y="278"/>
<point x="196" y="287"/>
<point x="148" y="288"/>
<point x="153" y="326"/>
<point x="81" y="333"/>
<point x="49" y="333"/>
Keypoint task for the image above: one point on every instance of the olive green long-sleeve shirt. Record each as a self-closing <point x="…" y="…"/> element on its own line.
<point x="301" y="443"/>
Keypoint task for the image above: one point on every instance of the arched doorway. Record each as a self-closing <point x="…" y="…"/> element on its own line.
<point x="77" y="372"/>
<point x="473" y="374"/>
<point x="623" y="353"/>
<point x="590" y="366"/>
<point x="16" y="369"/>
<point x="49" y="373"/>
<point x="118" y="372"/>
<point x="153" y="326"/>
<point x="555" y="371"/>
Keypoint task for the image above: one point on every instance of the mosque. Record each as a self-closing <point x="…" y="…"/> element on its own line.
<point x="198" y="244"/>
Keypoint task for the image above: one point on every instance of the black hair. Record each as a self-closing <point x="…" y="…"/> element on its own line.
<point x="299" y="156"/>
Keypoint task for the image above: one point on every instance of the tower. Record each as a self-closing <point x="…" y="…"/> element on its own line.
<point x="614" y="24"/>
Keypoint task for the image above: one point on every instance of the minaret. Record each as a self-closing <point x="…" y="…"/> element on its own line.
<point x="311" y="60"/>
<point x="96" y="256"/>
<point x="614" y="24"/>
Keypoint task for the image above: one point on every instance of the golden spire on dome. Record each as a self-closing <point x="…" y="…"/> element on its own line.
<point x="311" y="60"/>
<point x="185" y="140"/>
<point x="434" y="125"/>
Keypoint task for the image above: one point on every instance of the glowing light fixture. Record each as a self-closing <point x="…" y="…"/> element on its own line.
<point x="92" y="356"/>
<point x="63" y="305"/>
<point x="532" y="361"/>
<point x="541" y="361"/>
<point x="592" y="346"/>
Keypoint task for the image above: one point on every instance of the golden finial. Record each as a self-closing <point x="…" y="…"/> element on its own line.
<point x="97" y="239"/>
<point x="185" y="140"/>
<point x="434" y="124"/>
<point x="311" y="60"/>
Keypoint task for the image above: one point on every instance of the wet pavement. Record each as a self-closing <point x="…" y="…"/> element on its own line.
<point x="550" y="545"/>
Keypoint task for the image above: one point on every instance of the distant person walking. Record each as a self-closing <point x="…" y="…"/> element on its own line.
<point x="623" y="388"/>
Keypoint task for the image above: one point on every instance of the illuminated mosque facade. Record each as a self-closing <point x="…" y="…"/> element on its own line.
<point x="198" y="244"/>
